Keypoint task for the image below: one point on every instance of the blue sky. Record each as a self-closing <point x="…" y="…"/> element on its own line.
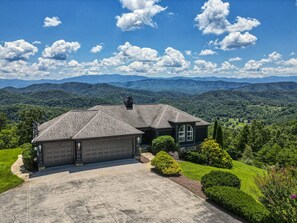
<point x="234" y="38"/>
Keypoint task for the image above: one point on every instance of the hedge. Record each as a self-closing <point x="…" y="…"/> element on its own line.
<point x="219" y="178"/>
<point x="165" y="164"/>
<point x="239" y="203"/>
<point x="195" y="157"/>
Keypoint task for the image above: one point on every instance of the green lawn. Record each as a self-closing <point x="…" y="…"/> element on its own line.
<point x="7" y="179"/>
<point x="245" y="172"/>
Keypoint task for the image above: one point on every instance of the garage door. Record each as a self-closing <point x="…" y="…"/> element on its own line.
<point x="102" y="150"/>
<point x="58" y="153"/>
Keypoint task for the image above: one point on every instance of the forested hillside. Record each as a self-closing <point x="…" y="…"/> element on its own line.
<point x="269" y="106"/>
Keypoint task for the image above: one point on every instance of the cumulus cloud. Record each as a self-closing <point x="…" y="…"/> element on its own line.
<point x="142" y="13"/>
<point x="237" y="40"/>
<point x="213" y="19"/>
<point x="207" y="52"/>
<point x="137" y="53"/>
<point x="96" y="49"/>
<point x="60" y="50"/>
<point x="51" y="21"/>
<point x="235" y="59"/>
<point x="226" y="66"/>
<point x="173" y="59"/>
<point x="202" y="66"/>
<point x="17" y="50"/>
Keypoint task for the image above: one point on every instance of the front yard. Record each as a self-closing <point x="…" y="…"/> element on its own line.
<point x="7" y="179"/>
<point x="245" y="173"/>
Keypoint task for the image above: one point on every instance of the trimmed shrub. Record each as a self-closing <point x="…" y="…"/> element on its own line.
<point x="215" y="155"/>
<point x="165" y="164"/>
<point x="220" y="178"/>
<point x="163" y="143"/>
<point x="29" y="155"/>
<point x="195" y="157"/>
<point x="239" y="203"/>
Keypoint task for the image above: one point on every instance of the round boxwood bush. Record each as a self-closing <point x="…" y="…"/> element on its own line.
<point x="163" y="143"/>
<point x="215" y="155"/>
<point x="165" y="164"/>
<point x="239" y="203"/>
<point x="220" y="178"/>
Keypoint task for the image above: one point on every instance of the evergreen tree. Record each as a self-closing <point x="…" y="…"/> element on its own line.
<point x="3" y="120"/>
<point x="243" y="138"/>
<point x="248" y="153"/>
<point x="219" y="136"/>
<point x="215" y="127"/>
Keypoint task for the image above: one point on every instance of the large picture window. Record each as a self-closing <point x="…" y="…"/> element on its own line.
<point x="190" y="133"/>
<point x="182" y="133"/>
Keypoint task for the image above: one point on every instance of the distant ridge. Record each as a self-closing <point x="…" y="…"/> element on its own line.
<point x="117" y="79"/>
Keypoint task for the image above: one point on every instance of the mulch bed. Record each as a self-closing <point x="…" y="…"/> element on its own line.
<point x="192" y="185"/>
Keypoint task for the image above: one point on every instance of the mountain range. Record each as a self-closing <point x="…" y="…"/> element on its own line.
<point x="118" y="78"/>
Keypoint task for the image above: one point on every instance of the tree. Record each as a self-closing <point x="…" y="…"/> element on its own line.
<point x="219" y="136"/>
<point x="8" y="138"/>
<point x="27" y="118"/>
<point x="243" y="138"/>
<point x="214" y="134"/>
<point x="3" y="120"/>
<point x="259" y="135"/>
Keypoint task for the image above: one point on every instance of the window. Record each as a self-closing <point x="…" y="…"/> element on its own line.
<point x="182" y="133"/>
<point x="189" y="133"/>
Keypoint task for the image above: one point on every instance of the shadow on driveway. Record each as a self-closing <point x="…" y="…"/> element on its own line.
<point x="86" y="167"/>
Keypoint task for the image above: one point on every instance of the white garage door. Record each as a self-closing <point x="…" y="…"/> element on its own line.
<point x="108" y="149"/>
<point x="58" y="153"/>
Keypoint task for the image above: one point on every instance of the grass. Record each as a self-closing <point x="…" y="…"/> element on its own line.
<point x="7" y="178"/>
<point x="244" y="172"/>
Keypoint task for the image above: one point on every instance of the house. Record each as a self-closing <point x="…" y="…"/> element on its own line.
<point x="113" y="132"/>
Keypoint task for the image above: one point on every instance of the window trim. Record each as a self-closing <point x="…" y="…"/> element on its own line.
<point x="190" y="133"/>
<point x="183" y="132"/>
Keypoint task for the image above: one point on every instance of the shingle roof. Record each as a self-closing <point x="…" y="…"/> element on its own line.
<point x="113" y="120"/>
<point x="81" y="124"/>
<point x="158" y="116"/>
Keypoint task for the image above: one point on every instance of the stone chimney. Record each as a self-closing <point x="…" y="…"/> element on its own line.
<point x="129" y="103"/>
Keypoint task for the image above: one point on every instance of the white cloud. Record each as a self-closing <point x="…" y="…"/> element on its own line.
<point x="17" y="50"/>
<point x="137" y="53"/>
<point x="136" y="66"/>
<point x="173" y="59"/>
<point x="243" y="24"/>
<point x="60" y="50"/>
<point x="96" y="49"/>
<point x="51" y="21"/>
<point x="274" y="56"/>
<point x="237" y="40"/>
<point x="213" y="19"/>
<point x="202" y="66"/>
<point x="252" y="65"/>
<point x="226" y="66"/>
<point x="292" y="53"/>
<point x="207" y="52"/>
<point x="188" y="52"/>
<point x="142" y="13"/>
<point x="235" y="59"/>
<point x="36" y="42"/>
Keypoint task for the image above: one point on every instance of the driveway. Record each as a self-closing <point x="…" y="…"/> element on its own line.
<point x="118" y="191"/>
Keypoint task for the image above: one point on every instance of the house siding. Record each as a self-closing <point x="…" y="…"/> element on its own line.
<point x="201" y="133"/>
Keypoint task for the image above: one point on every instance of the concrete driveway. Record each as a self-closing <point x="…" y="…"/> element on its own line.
<point x="119" y="191"/>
